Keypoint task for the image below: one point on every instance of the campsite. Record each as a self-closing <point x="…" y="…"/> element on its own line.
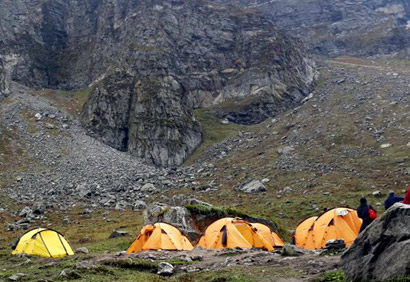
<point x="205" y="140"/>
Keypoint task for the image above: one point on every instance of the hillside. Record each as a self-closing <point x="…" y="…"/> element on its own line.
<point x="148" y="64"/>
<point x="328" y="151"/>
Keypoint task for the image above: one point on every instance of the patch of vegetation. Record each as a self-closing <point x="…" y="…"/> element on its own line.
<point x="140" y="265"/>
<point x="213" y="132"/>
<point x="215" y="211"/>
<point x="72" y="101"/>
<point x="335" y="276"/>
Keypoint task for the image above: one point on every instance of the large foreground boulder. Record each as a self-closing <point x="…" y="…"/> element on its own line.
<point x="381" y="252"/>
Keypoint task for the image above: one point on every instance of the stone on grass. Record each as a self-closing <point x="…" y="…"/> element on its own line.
<point x="82" y="250"/>
<point x="165" y="269"/>
<point x="118" y="233"/>
<point x="377" y="194"/>
<point x="17" y="276"/>
<point x="292" y="251"/>
<point x="254" y="186"/>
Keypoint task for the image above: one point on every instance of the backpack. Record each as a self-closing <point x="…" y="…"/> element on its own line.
<point x="372" y="213"/>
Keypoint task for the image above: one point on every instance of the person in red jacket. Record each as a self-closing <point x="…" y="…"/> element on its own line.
<point x="407" y="198"/>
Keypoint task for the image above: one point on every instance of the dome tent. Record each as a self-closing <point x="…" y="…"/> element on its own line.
<point x="231" y="233"/>
<point x="268" y="234"/>
<point x="160" y="236"/>
<point x="42" y="242"/>
<point x="338" y="223"/>
<point x="303" y="234"/>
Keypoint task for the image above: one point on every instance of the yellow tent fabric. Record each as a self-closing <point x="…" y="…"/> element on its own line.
<point x="43" y="242"/>
<point x="231" y="233"/>
<point x="269" y="236"/>
<point x="160" y="236"/>
<point x="338" y="223"/>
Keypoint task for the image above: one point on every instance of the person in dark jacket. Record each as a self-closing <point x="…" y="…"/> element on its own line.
<point x="363" y="213"/>
<point x="391" y="200"/>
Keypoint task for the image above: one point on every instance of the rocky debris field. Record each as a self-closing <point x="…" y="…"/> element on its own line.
<point x="355" y="125"/>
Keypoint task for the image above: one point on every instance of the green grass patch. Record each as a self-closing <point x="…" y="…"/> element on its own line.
<point x="215" y="211"/>
<point x="335" y="276"/>
<point x="140" y="265"/>
<point x="213" y="132"/>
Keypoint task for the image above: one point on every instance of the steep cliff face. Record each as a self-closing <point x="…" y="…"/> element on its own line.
<point x="143" y="116"/>
<point x="341" y="27"/>
<point x="3" y="85"/>
<point x="151" y="62"/>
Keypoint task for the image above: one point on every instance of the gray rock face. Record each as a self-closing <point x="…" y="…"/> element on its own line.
<point x="147" y="119"/>
<point x="177" y="216"/>
<point x="2" y="82"/>
<point x="150" y="63"/>
<point x="384" y="243"/>
<point x="340" y="27"/>
<point x="254" y="186"/>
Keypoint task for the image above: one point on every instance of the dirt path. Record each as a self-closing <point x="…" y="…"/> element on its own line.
<point x="267" y="265"/>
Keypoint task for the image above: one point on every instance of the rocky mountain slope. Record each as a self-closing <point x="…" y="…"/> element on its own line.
<point x="341" y="27"/>
<point x="149" y="63"/>
<point x="349" y="138"/>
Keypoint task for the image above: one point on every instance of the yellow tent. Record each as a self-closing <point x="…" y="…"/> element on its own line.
<point x="43" y="242"/>
<point x="338" y="223"/>
<point x="232" y="233"/>
<point x="160" y="236"/>
<point x="269" y="236"/>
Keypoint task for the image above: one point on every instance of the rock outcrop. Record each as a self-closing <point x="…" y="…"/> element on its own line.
<point x="149" y="63"/>
<point x="380" y="253"/>
<point x="4" y="91"/>
<point x="341" y="27"/>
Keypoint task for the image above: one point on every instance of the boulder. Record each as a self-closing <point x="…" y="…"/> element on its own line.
<point x="336" y="244"/>
<point x="118" y="233"/>
<point x="149" y="188"/>
<point x="139" y="205"/>
<point x="26" y="212"/>
<point x="177" y="216"/>
<point x="39" y="208"/>
<point x="17" y="277"/>
<point x="254" y="186"/>
<point x="293" y="251"/>
<point x="386" y="242"/>
<point x="165" y="269"/>
<point x="82" y="250"/>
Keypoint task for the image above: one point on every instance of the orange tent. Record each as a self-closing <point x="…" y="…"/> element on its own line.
<point x="269" y="236"/>
<point x="303" y="233"/>
<point x="232" y="233"/>
<point x="160" y="236"/>
<point x="338" y="223"/>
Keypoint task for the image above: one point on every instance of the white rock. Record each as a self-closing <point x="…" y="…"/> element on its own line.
<point x="165" y="269"/>
<point x="386" y="145"/>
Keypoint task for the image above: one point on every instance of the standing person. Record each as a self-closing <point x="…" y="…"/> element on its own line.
<point x="391" y="200"/>
<point x="407" y="198"/>
<point x="363" y="211"/>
